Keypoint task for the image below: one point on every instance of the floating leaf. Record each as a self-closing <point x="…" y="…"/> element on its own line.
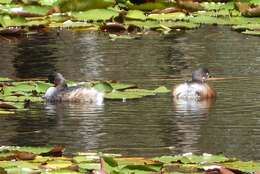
<point x="246" y="27"/>
<point x="136" y="14"/>
<point x="161" y="89"/>
<point x="144" y="24"/>
<point x="249" y="166"/>
<point x="8" y="21"/>
<point x="35" y="150"/>
<point x="193" y="159"/>
<point x="168" y="16"/>
<point x="128" y="94"/>
<point x="48" y="2"/>
<point x="5" y="79"/>
<point x="30" y="10"/>
<point x="122" y="86"/>
<point x="5" y="1"/>
<point x="81" y="5"/>
<point x="115" y="36"/>
<point x="2" y="112"/>
<point x="180" y="25"/>
<point x="41" y="87"/>
<point x="57" y="164"/>
<point x="95" y="15"/>
<point x="89" y="166"/>
<point x="148" y="6"/>
<point x="103" y="87"/>
<point x="252" y="32"/>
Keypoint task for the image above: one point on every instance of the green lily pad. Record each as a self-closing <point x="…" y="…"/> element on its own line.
<point x="128" y="37"/>
<point x="122" y="86"/>
<point x="77" y="24"/>
<point x="30" y="10"/>
<point x="61" y="171"/>
<point x="8" y="21"/>
<point x="5" y="1"/>
<point x="103" y="87"/>
<point x="217" y="6"/>
<point x="147" y="6"/>
<point x="252" y="32"/>
<point x="5" y="79"/>
<point x="168" y="16"/>
<point x="86" y="158"/>
<point x="89" y="166"/>
<point x="81" y="5"/>
<point x="48" y="2"/>
<point x="246" y="27"/>
<point x="95" y="15"/>
<point x="3" y="112"/>
<point x="58" y="164"/>
<point x="248" y="166"/>
<point x="136" y="14"/>
<point x="144" y="24"/>
<point x="35" y="150"/>
<point x="193" y="159"/>
<point x="41" y="87"/>
<point x="179" y="25"/>
<point x="19" y="86"/>
<point x="161" y="89"/>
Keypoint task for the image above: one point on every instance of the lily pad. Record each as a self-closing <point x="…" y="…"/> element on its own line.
<point x="8" y="21"/>
<point x="81" y="5"/>
<point x="148" y="6"/>
<point x="246" y="27"/>
<point x="168" y="16"/>
<point x="103" y="87"/>
<point x="5" y="1"/>
<point x="41" y="87"/>
<point x="136" y="14"/>
<point x="35" y="150"/>
<point x="57" y="164"/>
<point x="248" y="166"/>
<point x="95" y="15"/>
<point x="29" y="10"/>
<point x="3" y="112"/>
<point x="122" y="86"/>
<point x="193" y="159"/>
<point x="5" y="79"/>
<point x="123" y="95"/>
<point x="144" y="24"/>
<point x="252" y="32"/>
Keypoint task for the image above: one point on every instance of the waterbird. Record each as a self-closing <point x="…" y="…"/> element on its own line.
<point x="62" y="92"/>
<point x="196" y="88"/>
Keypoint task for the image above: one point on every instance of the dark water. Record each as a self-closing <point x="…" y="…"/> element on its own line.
<point x="150" y="126"/>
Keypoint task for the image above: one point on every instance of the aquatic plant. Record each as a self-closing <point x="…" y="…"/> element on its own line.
<point x="18" y="17"/>
<point x="28" y="160"/>
<point x="19" y="95"/>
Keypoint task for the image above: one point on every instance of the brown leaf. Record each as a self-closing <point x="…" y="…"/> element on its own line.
<point x="25" y="155"/>
<point x="56" y="151"/>
<point x="113" y="27"/>
<point x="7" y="106"/>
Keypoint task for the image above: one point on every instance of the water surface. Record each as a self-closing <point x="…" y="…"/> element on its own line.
<point x="150" y="126"/>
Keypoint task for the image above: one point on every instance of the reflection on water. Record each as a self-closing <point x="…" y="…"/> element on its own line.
<point x="190" y="115"/>
<point x="153" y="125"/>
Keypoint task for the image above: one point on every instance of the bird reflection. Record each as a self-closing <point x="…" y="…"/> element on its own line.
<point x="190" y="116"/>
<point x="77" y="124"/>
<point x="193" y="107"/>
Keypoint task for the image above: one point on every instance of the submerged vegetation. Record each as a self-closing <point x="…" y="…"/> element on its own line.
<point x="19" y="95"/>
<point x="40" y="160"/>
<point x="127" y="16"/>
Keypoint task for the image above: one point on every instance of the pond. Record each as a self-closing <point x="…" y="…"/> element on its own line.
<point x="150" y="126"/>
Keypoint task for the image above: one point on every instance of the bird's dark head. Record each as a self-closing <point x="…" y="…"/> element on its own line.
<point x="200" y="75"/>
<point x="57" y="79"/>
